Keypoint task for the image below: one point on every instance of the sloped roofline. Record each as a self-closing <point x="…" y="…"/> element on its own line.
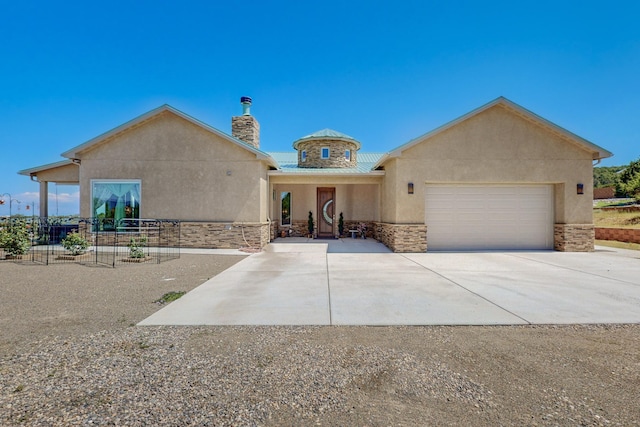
<point x="598" y="152"/>
<point x="35" y="170"/>
<point x="73" y="152"/>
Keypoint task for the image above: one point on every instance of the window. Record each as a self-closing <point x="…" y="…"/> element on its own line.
<point x="303" y="156"/>
<point x="347" y="155"/>
<point x="115" y="202"/>
<point x="285" y="198"/>
<point x="324" y="154"/>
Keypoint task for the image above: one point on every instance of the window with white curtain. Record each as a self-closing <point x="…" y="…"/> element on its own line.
<point x="115" y="199"/>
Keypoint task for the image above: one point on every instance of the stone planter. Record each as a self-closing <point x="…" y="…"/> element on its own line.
<point x="69" y="257"/>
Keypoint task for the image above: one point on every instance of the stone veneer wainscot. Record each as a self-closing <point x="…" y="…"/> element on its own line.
<point x="574" y="237"/>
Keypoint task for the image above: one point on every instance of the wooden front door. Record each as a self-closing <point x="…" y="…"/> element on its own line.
<point x="326" y="209"/>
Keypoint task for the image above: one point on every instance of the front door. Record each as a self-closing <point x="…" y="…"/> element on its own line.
<point x="326" y="209"/>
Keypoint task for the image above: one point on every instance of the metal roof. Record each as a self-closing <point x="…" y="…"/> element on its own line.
<point x="327" y="134"/>
<point x="288" y="163"/>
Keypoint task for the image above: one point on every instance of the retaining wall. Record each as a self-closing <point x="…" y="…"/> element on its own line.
<point x="627" y="235"/>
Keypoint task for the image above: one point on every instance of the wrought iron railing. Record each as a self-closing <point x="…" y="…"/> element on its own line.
<point x="100" y="241"/>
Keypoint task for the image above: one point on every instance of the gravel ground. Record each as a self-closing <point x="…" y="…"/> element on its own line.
<point x="70" y="355"/>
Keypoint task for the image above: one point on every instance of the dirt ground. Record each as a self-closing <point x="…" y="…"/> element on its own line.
<point x="495" y="375"/>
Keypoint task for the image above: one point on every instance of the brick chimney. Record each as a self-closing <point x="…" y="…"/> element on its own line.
<point x="245" y="127"/>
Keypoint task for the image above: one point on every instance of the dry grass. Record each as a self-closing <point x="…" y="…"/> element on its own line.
<point x="612" y="218"/>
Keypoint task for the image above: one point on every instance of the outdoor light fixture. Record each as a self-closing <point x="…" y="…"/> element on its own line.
<point x="11" y="200"/>
<point x="580" y="188"/>
<point x="410" y="188"/>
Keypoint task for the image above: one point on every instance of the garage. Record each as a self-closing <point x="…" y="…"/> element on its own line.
<point x="489" y="217"/>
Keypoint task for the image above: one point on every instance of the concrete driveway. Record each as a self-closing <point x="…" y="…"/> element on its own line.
<point x="357" y="282"/>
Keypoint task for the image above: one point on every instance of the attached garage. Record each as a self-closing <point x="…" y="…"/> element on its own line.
<point x="481" y="217"/>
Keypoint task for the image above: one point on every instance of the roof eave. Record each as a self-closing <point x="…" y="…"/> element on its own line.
<point x="35" y="170"/>
<point x="74" y="152"/>
<point x="597" y="151"/>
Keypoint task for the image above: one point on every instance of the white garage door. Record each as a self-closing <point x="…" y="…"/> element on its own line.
<point x="489" y="217"/>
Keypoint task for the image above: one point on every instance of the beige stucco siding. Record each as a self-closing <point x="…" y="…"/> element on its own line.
<point x="390" y="196"/>
<point x="495" y="146"/>
<point x="67" y="174"/>
<point x="186" y="172"/>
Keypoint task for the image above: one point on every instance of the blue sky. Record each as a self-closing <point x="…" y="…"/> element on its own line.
<point x="383" y="72"/>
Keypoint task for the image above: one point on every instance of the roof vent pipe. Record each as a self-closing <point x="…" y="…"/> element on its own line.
<point x="246" y="105"/>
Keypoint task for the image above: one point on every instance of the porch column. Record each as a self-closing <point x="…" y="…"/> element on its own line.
<point x="44" y="199"/>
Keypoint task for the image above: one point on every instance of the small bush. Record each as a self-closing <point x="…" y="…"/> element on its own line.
<point x="136" y="247"/>
<point x="75" y="243"/>
<point x="14" y="238"/>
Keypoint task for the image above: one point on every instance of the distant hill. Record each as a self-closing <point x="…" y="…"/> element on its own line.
<point x="606" y="176"/>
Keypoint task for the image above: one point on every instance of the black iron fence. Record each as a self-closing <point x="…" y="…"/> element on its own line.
<point x="101" y="241"/>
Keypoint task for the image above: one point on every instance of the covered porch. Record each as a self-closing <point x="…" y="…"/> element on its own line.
<point x="337" y="204"/>
<point x="66" y="172"/>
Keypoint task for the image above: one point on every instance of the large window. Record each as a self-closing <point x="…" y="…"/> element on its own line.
<point x="285" y="198"/>
<point x="116" y="202"/>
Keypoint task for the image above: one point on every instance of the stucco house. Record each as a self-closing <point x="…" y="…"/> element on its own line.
<point x="499" y="177"/>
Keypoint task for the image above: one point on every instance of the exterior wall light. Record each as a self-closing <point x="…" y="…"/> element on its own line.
<point x="410" y="188"/>
<point x="580" y="188"/>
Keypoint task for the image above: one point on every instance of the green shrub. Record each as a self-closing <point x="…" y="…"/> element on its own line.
<point x="75" y="243"/>
<point x="136" y="247"/>
<point x="310" y="223"/>
<point x="14" y="238"/>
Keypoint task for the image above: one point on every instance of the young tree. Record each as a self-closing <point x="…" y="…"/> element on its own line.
<point x="629" y="181"/>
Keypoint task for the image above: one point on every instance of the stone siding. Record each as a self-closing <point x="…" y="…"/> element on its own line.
<point x="336" y="154"/>
<point x="628" y="235"/>
<point x="402" y="238"/>
<point x="247" y="129"/>
<point x="216" y="235"/>
<point x="353" y="225"/>
<point x="573" y="237"/>
<point x="298" y="228"/>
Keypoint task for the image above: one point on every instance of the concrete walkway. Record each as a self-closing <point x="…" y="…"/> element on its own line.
<point x="359" y="282"/>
